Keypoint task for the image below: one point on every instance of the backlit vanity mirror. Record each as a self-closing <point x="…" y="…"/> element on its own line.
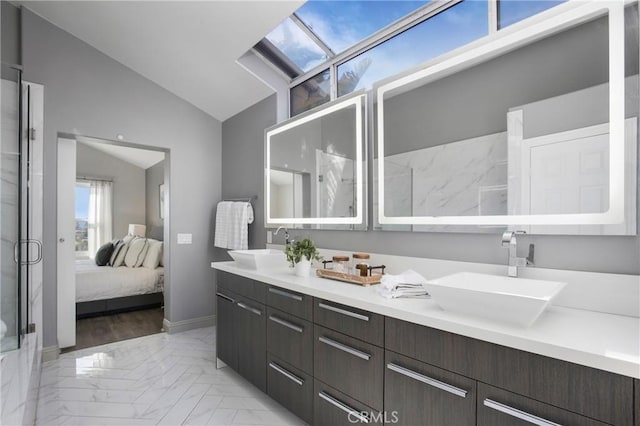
<point x="533" y="129"/>
<point x="315" y="168"/>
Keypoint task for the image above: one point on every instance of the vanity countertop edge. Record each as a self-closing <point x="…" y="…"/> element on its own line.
<point x="604" y="341"/>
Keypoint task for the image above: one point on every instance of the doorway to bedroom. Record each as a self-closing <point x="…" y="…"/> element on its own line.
<point x="111" y="208"/>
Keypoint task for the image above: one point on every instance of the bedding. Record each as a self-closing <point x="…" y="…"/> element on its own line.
<point x="105" y="282"/>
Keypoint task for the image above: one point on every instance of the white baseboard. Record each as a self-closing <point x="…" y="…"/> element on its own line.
<point x="50" y="353"/>
<point x="178" y="326"/>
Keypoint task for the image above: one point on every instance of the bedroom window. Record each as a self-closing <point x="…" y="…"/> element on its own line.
<point x="94" y="221"/>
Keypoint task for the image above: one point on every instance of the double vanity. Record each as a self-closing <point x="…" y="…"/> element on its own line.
<point x="335" y="353"/>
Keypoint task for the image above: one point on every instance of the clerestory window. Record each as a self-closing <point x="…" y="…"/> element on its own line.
<point x="330" y="48"/>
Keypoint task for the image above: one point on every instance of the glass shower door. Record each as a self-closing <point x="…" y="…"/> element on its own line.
<point x="11" y="299"/>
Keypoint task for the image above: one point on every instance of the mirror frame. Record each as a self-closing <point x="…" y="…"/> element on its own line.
<point x="357" y="99"/>
<point x="568" y="16"/>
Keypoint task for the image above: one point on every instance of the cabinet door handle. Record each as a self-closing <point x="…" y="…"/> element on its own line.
<point x="249" y="308"/>
<point x="345" y="348"/>
<point x="286" y="373"/>
<point x="514" y="412"/>
<point x="343" y="311"/>
<point x="285" y="294"/>
<point x="344" y="407"/>
<point x="428" y="380"/>
<point x="286" y="324"/>
<point x="226" y="297"/>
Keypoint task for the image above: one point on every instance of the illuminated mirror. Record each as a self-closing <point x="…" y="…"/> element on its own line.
<point x="315" y="168"/>
<point x="533" y="128"/>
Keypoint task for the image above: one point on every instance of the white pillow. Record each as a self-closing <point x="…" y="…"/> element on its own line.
<point x="117" y="258"/>
<point x="154" y="254"/>
<point x="136" y="253"/>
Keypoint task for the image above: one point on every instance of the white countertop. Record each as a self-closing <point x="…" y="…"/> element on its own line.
<point x="599" y="340"/>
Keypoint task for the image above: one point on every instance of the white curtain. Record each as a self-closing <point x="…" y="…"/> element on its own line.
<point x="100" y="220"/>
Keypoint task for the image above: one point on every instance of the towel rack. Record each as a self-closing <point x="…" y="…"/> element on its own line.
<point x="247" y="199"/>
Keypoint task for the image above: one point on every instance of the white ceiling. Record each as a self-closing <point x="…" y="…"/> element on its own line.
<point x="188" y="47"/>
<point x="142" y="158"/>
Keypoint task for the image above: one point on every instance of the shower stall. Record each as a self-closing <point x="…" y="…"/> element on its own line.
<point x="20" y="208"/>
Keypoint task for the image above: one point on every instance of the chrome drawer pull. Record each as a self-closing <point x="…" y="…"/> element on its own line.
<point x="249" y="308"/>
<point x="514" y="412"/>
<point x="226" y="297"/>
<point x="343" y="312"/>
<point x="286" y="374"/>
<point x="345" y="348"/>
<point x="285" y="294"/>
<point x="344" y="407"/>
<point x="428" y="380"/>
<point x="286" y="324"/>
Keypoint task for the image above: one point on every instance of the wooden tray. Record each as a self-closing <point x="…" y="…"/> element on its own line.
<point x="349" y="278"/>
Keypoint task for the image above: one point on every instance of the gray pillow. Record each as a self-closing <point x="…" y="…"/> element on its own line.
<point x="103" y="256"/>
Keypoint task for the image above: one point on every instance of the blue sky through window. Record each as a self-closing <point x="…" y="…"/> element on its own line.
<point x="452" y="28"/>
<point x="82" y="201"/>
<point x="341" y="24"/>
<point x="512" y="11"/>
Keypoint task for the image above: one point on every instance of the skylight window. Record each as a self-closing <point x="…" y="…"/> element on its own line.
<point x="342" y="24"/>
<point x="297" y="46"/>
<point x="329" y="48"/>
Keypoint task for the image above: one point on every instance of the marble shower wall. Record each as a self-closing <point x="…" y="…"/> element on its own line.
<point x="463" y="178"/>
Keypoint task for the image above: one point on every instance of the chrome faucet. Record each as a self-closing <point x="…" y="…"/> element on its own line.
<point x="509" y="241"/>
<point x="286" y="235"/>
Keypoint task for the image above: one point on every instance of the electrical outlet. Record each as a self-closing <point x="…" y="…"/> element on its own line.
<point x="269" y="237"/>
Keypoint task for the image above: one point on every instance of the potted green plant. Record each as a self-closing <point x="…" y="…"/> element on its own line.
<point x="300" y="254"/>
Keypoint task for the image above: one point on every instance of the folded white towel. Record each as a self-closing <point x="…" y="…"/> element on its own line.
<point x="406" y="284"/>
<point x="232" y="220"/>
<point x="223" y="213"/>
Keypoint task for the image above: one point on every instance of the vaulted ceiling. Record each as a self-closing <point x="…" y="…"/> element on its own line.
<point x="188" y="47"/>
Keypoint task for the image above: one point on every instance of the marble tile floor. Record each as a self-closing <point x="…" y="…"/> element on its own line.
<point x="162" y="379"/>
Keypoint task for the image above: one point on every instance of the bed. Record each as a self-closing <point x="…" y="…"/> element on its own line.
<point x="105" y="289"/>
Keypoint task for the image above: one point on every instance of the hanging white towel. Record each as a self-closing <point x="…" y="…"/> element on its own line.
<point x="232" y="220"/>
<point x="223" y="213"/>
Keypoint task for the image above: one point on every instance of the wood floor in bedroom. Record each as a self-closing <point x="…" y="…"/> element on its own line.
<point x="114" y="328"/>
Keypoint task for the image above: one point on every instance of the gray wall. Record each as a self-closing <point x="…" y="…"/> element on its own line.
<point x="242" y="172"/>
<point x="128" y="185"/>
<point x="154" y="177"/>
<point x="243" y="165"/>
<point x="88" y="93"/>
<point x="10" y="40"/>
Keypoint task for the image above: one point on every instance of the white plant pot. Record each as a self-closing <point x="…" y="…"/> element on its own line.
<point x="302" y="268"/>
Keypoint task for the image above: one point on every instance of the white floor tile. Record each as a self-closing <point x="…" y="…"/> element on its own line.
<point x="158" y="379"/>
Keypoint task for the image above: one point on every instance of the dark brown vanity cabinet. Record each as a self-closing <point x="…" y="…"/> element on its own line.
<point x="241" y="340"/>
<point x="226" y="344"/>
<point x="498" y="407"/>
<point x="332" y="364"/>
<point x="420" y="394"/>
<point x="571" y="388"/>
<point x="291" y="387"/>
<point x="290" y="350"/>
<point x="251" y="330"/>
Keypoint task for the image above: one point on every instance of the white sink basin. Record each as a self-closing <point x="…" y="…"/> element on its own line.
<point x="259" y="259"/>
<point x="513" y="300"/>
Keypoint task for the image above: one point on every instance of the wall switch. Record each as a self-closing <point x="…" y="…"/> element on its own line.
<point x="269" y="237"/>
<point x="185" y="238"/>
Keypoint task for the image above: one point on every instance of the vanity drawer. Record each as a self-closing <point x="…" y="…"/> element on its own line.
<point x="291" y="387"/>
<point x="354" y="322"/>
<point x="298" y="304"/>
<point x="421" y="394"/>
<point x="332" y="407"/>
<point x="246" y="287"/>
<point x="349" y="365"/>
<point x="594" y="393"/>
<point x="497" y="407"/>
<point x="290" y="338"/>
